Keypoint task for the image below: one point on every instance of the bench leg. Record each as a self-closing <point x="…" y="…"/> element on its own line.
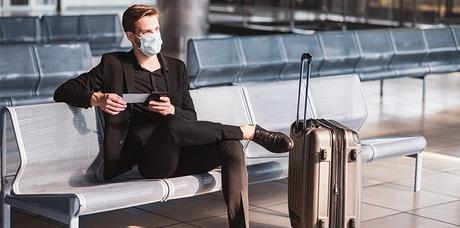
<point x="418" y="172"/>
<point x="6" y="209"/>
<point x="73" y="223"/>
<point x="381" y="88"/>
<point x="73" y="218"/>
<point x="424" y="88"/>
<point x="6" y="215"/>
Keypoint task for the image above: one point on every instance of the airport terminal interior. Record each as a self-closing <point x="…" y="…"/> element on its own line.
<point x="388" y="69"/>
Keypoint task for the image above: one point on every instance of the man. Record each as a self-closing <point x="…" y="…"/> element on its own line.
<point x="163" y="138"/>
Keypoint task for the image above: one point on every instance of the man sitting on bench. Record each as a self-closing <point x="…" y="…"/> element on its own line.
<point x="163" y="136"/>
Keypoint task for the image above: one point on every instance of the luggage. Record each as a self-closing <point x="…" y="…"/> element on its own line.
<point x="324" y="184"/>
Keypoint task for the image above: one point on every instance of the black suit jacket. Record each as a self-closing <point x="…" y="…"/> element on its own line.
<point x="114" y="74"/>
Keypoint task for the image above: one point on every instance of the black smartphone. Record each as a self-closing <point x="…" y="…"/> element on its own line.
<point x="155" y="96"/>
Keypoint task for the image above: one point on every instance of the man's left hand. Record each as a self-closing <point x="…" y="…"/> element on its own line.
<point x="163" y="106"/>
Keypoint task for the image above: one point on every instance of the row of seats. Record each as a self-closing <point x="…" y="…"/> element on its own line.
<point x="56" y="165"/>
<point x="372" y="54"/>
<point x="103" y="32"/>
<point x="30" y="73"/>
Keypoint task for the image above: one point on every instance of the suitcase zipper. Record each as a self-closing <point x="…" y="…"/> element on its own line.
<point x="337" y="176"/>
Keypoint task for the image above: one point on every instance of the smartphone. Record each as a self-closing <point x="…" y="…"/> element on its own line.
<point x="155" y="96"/>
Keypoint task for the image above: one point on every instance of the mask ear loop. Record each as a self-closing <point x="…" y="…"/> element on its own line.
<point x="139" y="39"/>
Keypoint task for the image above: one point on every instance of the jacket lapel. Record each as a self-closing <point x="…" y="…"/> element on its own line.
<point x="128" y="72"/>
<point x="165" y="71"/>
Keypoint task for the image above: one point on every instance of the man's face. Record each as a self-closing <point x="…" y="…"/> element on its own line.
<point x="145" y="25"/>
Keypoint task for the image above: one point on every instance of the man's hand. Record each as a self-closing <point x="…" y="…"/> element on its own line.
<point x="110" y="103"/>
<point x="164" y="106"/>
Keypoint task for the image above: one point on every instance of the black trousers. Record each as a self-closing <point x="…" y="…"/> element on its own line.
<point x="178" y="147"/>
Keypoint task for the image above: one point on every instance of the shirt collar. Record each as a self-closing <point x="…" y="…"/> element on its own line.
<point x="161" y="59"/>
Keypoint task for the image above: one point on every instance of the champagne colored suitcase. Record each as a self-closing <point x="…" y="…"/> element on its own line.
<point x="324" y="184"/>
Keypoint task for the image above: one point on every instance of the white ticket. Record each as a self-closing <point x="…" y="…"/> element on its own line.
<point x="135" y="97"/>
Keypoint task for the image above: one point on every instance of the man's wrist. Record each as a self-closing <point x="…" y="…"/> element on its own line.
<point x="95" y="98"/>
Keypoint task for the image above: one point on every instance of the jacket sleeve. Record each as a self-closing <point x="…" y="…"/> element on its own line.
<point x="185" y="110"/>
<point x="78" y="91"/>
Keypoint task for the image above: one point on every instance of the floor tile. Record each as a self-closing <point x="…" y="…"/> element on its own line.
<point x="431" y="161"/>
<point x="284" y="181"/>
<point x="281" y="208"/>
<point x="131" y="217"/>
<point x="259" y="218"/>
<point x="442" y="183"/>
<point x="366" y="182"/>
<point x="455" y="172"/>
<point x="404" y="220"/>
<point x="188" y="209"/>
<point x="449" y="212"/>
<point x="265" y="194"/>
<point x="401" y="198"/>
<point x="369" y="212"/>
<point x="389" y="172"/>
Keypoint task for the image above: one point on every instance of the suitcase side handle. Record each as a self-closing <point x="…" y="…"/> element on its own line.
<point x="309" y="58"/>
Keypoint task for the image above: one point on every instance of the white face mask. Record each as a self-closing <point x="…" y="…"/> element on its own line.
<point x="150" y="43"/>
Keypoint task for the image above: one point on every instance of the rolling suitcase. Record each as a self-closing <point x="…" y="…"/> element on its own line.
<point x="324" y="182"/>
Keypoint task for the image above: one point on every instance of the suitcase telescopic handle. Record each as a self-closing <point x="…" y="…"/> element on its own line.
<point x="309" y="58"/>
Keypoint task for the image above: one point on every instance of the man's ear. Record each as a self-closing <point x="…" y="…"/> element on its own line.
<point x="129" y="35"/>
<point x="133" y="39"/>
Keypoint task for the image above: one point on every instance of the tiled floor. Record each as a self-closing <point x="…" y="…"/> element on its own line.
<point x="388" y="199"/>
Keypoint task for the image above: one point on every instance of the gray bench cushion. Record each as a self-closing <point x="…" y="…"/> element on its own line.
<point x="64" y="28"/>
<point x="339" y="98"/>
<point x="376" y="54"/>
<point x="273" y="106"/>
<point x="410" y="49"/>
<point x="295" y="45"/>
<point x="441" y="50"/>
<point x="18" y="70"/>
<point x="59" y="63"/>
<point x="340" y="51"/>
<point x="214" y="61"/>
<point x="264" y="58"/>
<point x="20" y="30"/>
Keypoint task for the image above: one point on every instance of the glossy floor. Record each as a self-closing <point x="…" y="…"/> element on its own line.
<point x="388" y="200"/>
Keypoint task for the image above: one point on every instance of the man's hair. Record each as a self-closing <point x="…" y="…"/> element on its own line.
<point x="134" y="13"/>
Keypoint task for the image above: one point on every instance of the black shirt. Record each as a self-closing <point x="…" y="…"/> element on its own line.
<point x="144" y="120"/>
<point x="146" y="82"/>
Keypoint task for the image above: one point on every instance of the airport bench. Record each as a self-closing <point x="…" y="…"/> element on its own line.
<point x="372" y="54"/>
<point x="103" y="32"/>
<point x="30" y="73"/>
<point x="60" y="148"/>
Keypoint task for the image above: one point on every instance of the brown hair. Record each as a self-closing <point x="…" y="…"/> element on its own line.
<point x="134" y="13"/>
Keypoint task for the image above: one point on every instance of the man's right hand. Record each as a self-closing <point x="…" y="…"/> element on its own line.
<point x="110" y="103"/>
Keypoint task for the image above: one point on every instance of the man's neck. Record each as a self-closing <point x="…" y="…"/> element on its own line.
<point x="150" y="63"/>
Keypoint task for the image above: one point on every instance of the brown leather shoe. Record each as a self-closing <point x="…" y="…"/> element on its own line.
<point x="275" y="142"/>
